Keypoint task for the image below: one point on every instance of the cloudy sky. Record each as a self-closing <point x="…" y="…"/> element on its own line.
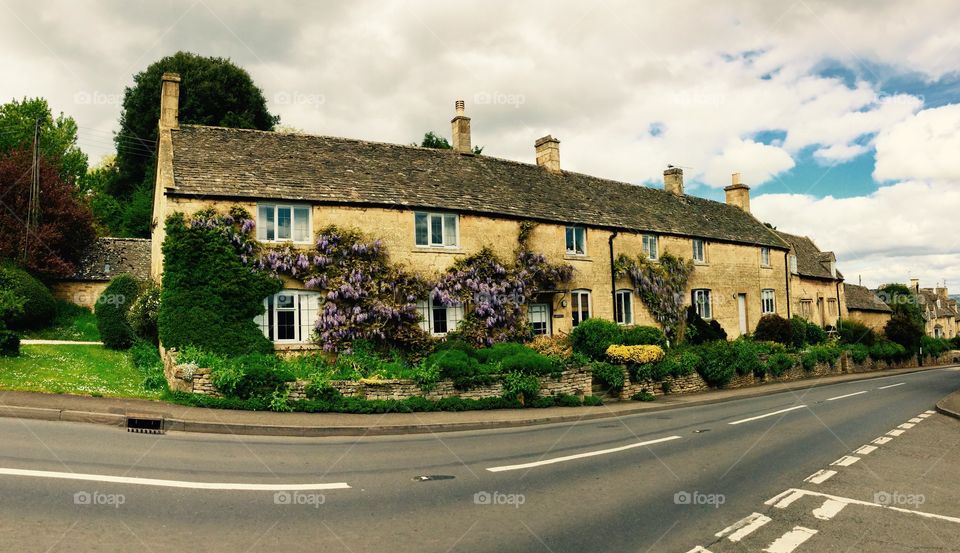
<point x="844" y="117"/>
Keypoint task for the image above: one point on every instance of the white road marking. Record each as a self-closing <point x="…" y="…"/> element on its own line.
<point x="829" y="509"/>
<point x="846" y="395"/>
<point x="929" y="412"/>
<point x="915" y="420"/>
<point x="758" y="417"/>
<point x="794" y="494"/>
<point x="820" y="476"/>
<point x="743" y="527"/>
<point x="699" y="549"/>
<point x="791" y="540"/>
<point x="906" y="426"/>
<point x="172" y="483"/>
<point x="881" y="440"/>
<point x="845" y="461"/>
<point x="866" y="449"/>
<point x="894" y="432"/>
<point x="891" y="386"/>
<point x="922" y="416"/>
<point x="783" y="500"/>
<point x="580" y="455"/>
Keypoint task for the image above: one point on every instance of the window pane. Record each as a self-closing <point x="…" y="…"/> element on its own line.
<point x="286" y="325"/>
<point x="570" y="240"/>
<point x="423" y="308"/>
<point x="301" y="222"/>
<point x="309" y="306"/>
<point x="265" y="223"/>
<point x="585" y="305"/>
<point x="581" y="239"/>
<point x="449" y="230"/>
<point x="285" y="300"/>
<point x="283" y="223"/>
<point x="420" y="228"/>
<point x="627" y="308"/>
<point x="436" y="230"/>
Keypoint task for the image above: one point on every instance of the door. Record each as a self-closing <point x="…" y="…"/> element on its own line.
<point x="742" y="310"/>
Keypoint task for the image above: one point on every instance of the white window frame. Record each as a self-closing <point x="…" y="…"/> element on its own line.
<point x="305" y="309"/>
<point x="768" y="301"/>
<point x="764" y="256"/>
<point x="539" y="308"/>
<point x="703" y="308"/>
<point x="445" y="219"/>
<point x="263" y="229"/>
<point x="623" y="307"/>
<point x="577" y="298"/>
<point x="702" y="250"/>
<point x="575" y="231"/>
<point x="429" y="309"/>
<point x="651" y="246"/>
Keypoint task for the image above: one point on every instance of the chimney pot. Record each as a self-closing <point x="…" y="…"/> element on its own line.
<point x="548" y="153"/>
<point x="673" y="180"/>
<point x="461" y="130"/>
<point x="738" y="194"/>
<point x="170" y="101"/>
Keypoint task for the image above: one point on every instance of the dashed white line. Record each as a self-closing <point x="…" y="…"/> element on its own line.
<point x="699" y="549"/>
<point x="820" y="476"/>
<point x="172" y="483"/>
<point x="758" y="417"/>
<point x="866" y="450"/>
<point x="881" y="440"/>
<point x="784" y="499"/>
<point x="791" y="540"/>
<point x="915" y="420"/>
<point x="580" y="455"/>
<point x="922" y="416"/>
<point x="906" y="426"/>
<point x="929" y="412"/>
<point x="829" y="509"/>
<point x="895" y="432"/>
<point x="845" y="461"/>
<point x="891" y="386"/>
<point x="743" y="527"/>
<point x="846" y="395"/>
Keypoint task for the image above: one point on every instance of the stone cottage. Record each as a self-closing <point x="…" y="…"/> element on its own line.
<point x="103" y="260"/>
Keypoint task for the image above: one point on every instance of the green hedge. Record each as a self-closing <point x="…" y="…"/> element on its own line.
<point x="852" y="332"/>
<point x="774" y="328"/>
<point x="593" y="336"/>
<point x="643" y="336"/>
<point x="111" y="311"/>
<point x="9" y="343"/>
<point x="39" y="307"/>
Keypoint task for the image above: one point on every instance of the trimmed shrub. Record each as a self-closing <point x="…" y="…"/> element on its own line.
<point x="9" y="343"/>
<point x="852" y="332"/>
<point x="143" y="313"/>
<point x="826" y="354"/>
<point x="521" y="386"/>
<point x="774" y="328"/>
<point x="527" y="361"/>
<point x="498" y="352"/>
<point x="779" y="363"/>
<point x="858" y="352"/>
<point x="716" y="363"/>
<point x="111" y="311"/>
<point x="746" y="357"/>
<point x="643" y="336"/>
<point x="39" y="306"/>
<point x="609" y="374"/>
<point x="885" y="350"/>
<point x="634" y="354"/>
<point x="934" y="346"/>
<point x="699" y="331"/>
<point x="685" y="362"/>
<point x="593" y="336"/>
<point x="557" y="346"/>
<point x="643" y="395"/>
<point x="251" y="375"/>
<point x="815" y="335"/>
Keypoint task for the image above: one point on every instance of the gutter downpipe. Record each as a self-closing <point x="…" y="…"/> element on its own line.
<point x="613" y="275"/>
<point x="786" y="265"/>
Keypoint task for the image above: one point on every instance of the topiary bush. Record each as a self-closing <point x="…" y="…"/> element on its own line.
<point x="593" y="336"/>
<point x="111" y="310"/>
<point x="853" y="332"/>
<point x="699" y="331"/>
<point x="38" y="307"/>
<point x="774" y="328"/>
<point x="643" y="335"/>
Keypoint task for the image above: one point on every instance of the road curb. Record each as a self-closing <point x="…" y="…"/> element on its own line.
<point x="249" y="429"/>
<point x="950" y="411"/>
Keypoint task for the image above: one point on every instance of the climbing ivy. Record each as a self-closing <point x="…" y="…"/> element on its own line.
<point x="661" y="285"/>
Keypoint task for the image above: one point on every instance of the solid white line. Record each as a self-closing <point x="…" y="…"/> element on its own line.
<point x="820" y="476"/>
<point x="895" y="432"/>
<point x="829" y="509"/>
<point x="881" y="440"/>
<point x="791" y="540"/>
<point x="891" y="386"/>
<point x="580" y="455"/>
<point x="171" y="483"/>
<point x="866" y="449"/>
<point x="847" y="395"/>
<point x="783" y="500"/>
<point x="768" y="414"/>
<point x="744" y="527"/>
<point x="845" y="461"/>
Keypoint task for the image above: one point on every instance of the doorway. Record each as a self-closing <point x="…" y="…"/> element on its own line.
<point x="742" y="310"/>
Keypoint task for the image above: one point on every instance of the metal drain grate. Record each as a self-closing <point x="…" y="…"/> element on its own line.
<point x="145" y="424"/>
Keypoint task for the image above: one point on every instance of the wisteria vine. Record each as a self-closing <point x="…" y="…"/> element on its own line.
<point x="661" y="285"/>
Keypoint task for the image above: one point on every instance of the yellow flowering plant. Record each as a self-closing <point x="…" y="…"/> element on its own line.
<point x="635" y="354"/>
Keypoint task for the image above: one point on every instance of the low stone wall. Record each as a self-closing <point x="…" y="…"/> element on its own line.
<point x="82" y="293"/>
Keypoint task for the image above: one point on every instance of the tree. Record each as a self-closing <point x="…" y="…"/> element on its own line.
<point x="433" y="140"/>
<point x="213" y="91"/>
<point x="65" y="226"/>
<point x="905" y="326"/>
<point x="58" y="136"/>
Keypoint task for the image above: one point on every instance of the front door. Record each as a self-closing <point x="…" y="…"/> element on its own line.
<point x="742" y="310"/>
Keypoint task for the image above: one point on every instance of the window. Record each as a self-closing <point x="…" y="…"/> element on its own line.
<point x="436" y="230"/>
<point x="539" y="316"/>
<point x="793" y="264"/>
<point x="701" y="303"/>
<point x="768" y="302"/>
<point x="438" y="319"/>
<point x="576" y="241"/>
<point x="282" y="223"/>
<point x="580" y="306"/>
<point x="806" y="308"/>
<point x="765" y="256"/>
<point x="832" y="307"/>
<point x="650" y="246"/>
<point x="624" y="307"/>
<point x="289" y="316"/>
<point x="699" y="251"/>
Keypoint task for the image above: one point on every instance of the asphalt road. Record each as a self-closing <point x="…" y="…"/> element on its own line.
<point x="568" y="487"/>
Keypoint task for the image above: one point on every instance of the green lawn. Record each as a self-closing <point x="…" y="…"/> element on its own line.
<point x="72" y="322"/>
<point x="80" y="370"/>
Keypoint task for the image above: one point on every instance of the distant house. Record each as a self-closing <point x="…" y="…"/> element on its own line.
<point x="939" y="311"/>
<point x="816" y="286"/>
<point x="866" y="307"/>
<point x="103" y="260"/>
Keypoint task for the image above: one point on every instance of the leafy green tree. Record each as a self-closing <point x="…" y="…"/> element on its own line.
<point x="58" y="135"/>
<point x="905" y="326"/>
<point x="433" y="140"/>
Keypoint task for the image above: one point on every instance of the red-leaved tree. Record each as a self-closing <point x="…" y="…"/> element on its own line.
<point x="65" y="226"/>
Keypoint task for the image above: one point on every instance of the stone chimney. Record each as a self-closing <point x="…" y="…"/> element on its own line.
<point x="170" y="101"/>
<point x="548" y="153"/>
<point x="915" y="285"/>
<point x="461" y="130"/>
<point x="738" y="194"/>
<point x="673" y="180"/>
<point x="942" y="292"/>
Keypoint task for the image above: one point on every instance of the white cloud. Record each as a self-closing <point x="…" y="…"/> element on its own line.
<point x="926" y="146"/>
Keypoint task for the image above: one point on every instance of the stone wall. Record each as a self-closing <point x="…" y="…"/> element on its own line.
<point x="82" y="293"/>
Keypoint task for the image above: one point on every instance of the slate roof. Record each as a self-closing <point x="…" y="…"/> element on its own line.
<point x="928" y="299"/>
<point x="811" y="262"/>
<point x="219" y="162"/>
<point x="109" y="257"/>
<point x="861" y="298"/>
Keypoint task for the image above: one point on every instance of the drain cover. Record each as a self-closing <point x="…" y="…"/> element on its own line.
<point x="433" y="477"/>
<point x="145" y="424"/>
